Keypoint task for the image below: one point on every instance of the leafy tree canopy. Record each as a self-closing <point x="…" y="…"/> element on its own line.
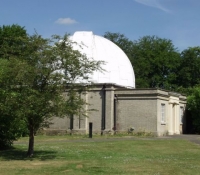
<point x="12" y="41"/>
<point x="155" y="62"/>
<point x="193" y="103"/>
<point x="11" y="45"/>
<point x="189" y="71"/>
<point x="36" y="82"/>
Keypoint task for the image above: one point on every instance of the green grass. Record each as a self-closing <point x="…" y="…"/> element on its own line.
<point x="82" y="156"/>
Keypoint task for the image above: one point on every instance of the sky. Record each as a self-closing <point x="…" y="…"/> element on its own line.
<point x="177" y="20"/>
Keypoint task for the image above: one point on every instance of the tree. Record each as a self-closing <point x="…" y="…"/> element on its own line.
<point x="193" y="103"/>
<point x="12" y="41"/>
<point x="189" y="70"/>
<point x="188" y="82"/>
<point x="41" y="79"/>
<point x="155" y="63"/>
<point x="11" y="127"/>
<point x="52" y="66"/>
<point x="11" y="44"/>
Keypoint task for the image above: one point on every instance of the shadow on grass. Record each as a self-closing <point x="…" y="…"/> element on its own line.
<point x="18" y="154"/>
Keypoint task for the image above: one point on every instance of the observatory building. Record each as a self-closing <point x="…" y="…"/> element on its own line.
<point x="118" y="105"/>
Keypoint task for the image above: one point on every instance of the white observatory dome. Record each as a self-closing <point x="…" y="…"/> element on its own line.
<point x="118" y="69"/>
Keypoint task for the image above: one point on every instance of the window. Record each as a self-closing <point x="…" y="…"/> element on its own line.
<point x="163" y="120"/>
<point x="181" y="114"/>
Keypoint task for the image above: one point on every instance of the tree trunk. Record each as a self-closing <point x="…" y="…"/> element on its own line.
<point x="31" y="141"/>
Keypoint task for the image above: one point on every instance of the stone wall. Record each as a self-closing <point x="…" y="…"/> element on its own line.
<point x="141" y="114"/>
<point x="116" y="108"/>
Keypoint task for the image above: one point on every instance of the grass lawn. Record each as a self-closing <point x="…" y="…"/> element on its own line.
<point x="106" y="156"/>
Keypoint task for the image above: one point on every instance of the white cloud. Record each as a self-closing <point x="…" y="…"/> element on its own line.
<point x="153" y="3"/>
<point x="65" y="21"/>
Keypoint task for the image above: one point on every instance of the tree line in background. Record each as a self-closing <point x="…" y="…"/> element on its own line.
<point x="158" y="64"/>
<point x="35" y="71"/>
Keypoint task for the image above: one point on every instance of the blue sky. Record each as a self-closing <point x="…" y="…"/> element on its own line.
<point x="177" y="20"/>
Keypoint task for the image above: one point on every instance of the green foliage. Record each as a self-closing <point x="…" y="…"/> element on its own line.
<point x="11" y="125"/>
<point x="10" y="131"/>
<point x="11" y="45"/>
<point x="12" y="41"/>
<point x="188" y="82"/>
<point x="189" y="71"/>
<point x="193" y="105"/>
<point x="34" y="81"/>
<point x="155" y="63"/>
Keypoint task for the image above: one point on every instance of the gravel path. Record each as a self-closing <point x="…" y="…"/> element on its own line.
<point x="192" y="138"/>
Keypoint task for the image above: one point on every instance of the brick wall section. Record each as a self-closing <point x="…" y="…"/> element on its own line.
<point x="137" y="108"/>
<point x="60" y="123"/>
<point x="137" y="113"/>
